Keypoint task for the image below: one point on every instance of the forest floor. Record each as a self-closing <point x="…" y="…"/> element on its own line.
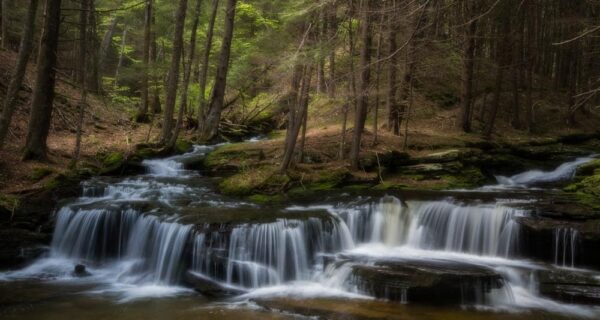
<point x="108" y="128"/>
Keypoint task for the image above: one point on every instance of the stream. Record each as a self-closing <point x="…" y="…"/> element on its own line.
<point x="166" y="245"/>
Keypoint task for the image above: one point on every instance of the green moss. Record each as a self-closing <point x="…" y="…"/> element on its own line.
<point x="60" y="180"/>
<point x="266" y="199"/>
<point x="389" y="186"/>
<point x="9" y="202"/>
<point x="183" y="146"/>
<point x="251" y="181"/>
<point x="113" y="159"/>
<point x="587" y="190"/>
<point x="40" y="173"/>
<point x="466" y="179"/>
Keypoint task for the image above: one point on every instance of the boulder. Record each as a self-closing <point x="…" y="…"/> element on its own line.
<point x="427" y="282"/>
<point x="80" y="271"/>
<point x="572" y="286"/>
<point x="210" y="287"/>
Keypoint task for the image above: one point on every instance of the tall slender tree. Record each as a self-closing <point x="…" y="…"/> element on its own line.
<point x="173" y="77"/>
<point x="210" y="126"/>
<point x="82" y="61"/>
<point x="187" y="74"/>
<point x="143" y="111"/>
<point x="365" y="76"/>
<point x="17" y="78"/>
<point x="205" y="58"/>
<point x="43" y="93"/>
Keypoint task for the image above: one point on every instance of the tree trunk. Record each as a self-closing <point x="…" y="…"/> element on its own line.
<point x="393" y="107"/>
<point x="296" y="118"/>
<point x="173" y="77"/>
<point x="155" y="107"/>
<point x="468" y="68"/>
<point x="210" y="126"/>
<point x="43" y="93"/>
<point x="93" y="79"/>
<point x="333" y="26"/>
<point x="205" y="58"/>
<point x="19" y="73"/>
<point x="121" y="55"/>
<point x="83" y="23"/>
<point x="187" y="75"/>
<point x="363" y="95"/>
<point x="4" y="27"/>
<point x="106" y="42"/>
<point x="142" y="115"/>
<point x="377" y="97"/>
<point x="503" y="54"/>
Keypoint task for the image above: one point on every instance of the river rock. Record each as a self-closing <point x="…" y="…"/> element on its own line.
<point x="427" y="282"/>
<point x="572" y="286"/>
<point x="80" y="271"/>
<point x="209" y="287"/>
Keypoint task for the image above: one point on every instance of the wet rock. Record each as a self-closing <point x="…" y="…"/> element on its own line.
<point x="209" y="287"/>
<point x="80" y="271"/>
<point x="572" y="286"/>
<point x="538" y="239"/>
<point x="427" y="282"/>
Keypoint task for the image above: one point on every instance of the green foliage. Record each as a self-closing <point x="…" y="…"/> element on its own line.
<point x="40" y="173"/>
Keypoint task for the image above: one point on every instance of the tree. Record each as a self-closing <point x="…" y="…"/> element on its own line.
<point x="4" y="26"/>
<point x="43" y="92"/>
<point x="143" y="111"/>
<point x="173" y="78"/>
<point x="19" y="73"/>
<point x="205" y="59"/>
<point x="393" y="107"/>
<point x="84" y="15"/>
<point x="186" y="75"/>
<point x="209" y="127"/>
<point x="468" y="67"/>
<point x="365" y="74"/>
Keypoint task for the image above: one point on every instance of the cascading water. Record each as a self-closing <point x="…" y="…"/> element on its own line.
<point x="137" y="229"/>
<point x="565" y="246"/>
<point x="562" y="173"/>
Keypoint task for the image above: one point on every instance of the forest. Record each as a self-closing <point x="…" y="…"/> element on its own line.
<point x="366" y="155"/>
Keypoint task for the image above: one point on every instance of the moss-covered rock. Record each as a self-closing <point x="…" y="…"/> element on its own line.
<point x="183" y="146"/>
<point x="112" y="162"/>
<point x="266" y="179"/>
<point x="40" y="173"/>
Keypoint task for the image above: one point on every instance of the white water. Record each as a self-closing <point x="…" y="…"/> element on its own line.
<point x="562" y="173"/>
<point x="136" y="251"/>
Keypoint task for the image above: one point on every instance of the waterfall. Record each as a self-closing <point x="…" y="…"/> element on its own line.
<point x="438" y="225"/>
<point x="564" y="172"/>
<point x="255" y="255"/>
<point x="101" y="235"/>
<point x="565" y="246"/>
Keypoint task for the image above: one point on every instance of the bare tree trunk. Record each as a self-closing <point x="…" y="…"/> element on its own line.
<point x="43" y="93"/>
<point x="19" y="73"/>
<point x="106" y="42"/>
<point x="333" y="26"/>
<point x="377" y="97"/>
<point x="393" y="108"/>
<point x="502" y="56"/>
<point x="121" y="55"/>
<point x="93" y="78"/>
<point x="142" y="115"/>
<point x="209" y="127"/>
<point x="468" y="68"/>
<point x="297" y="114"/>
<point x="363" y="94"/>
<point x="187" y="75"/>
<point x="173" y="77"/>
<point x="205" y="59"/>
<point x="4" y="27"/>
<point x="83" y="23"/>
<point x="154" y="55"/>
